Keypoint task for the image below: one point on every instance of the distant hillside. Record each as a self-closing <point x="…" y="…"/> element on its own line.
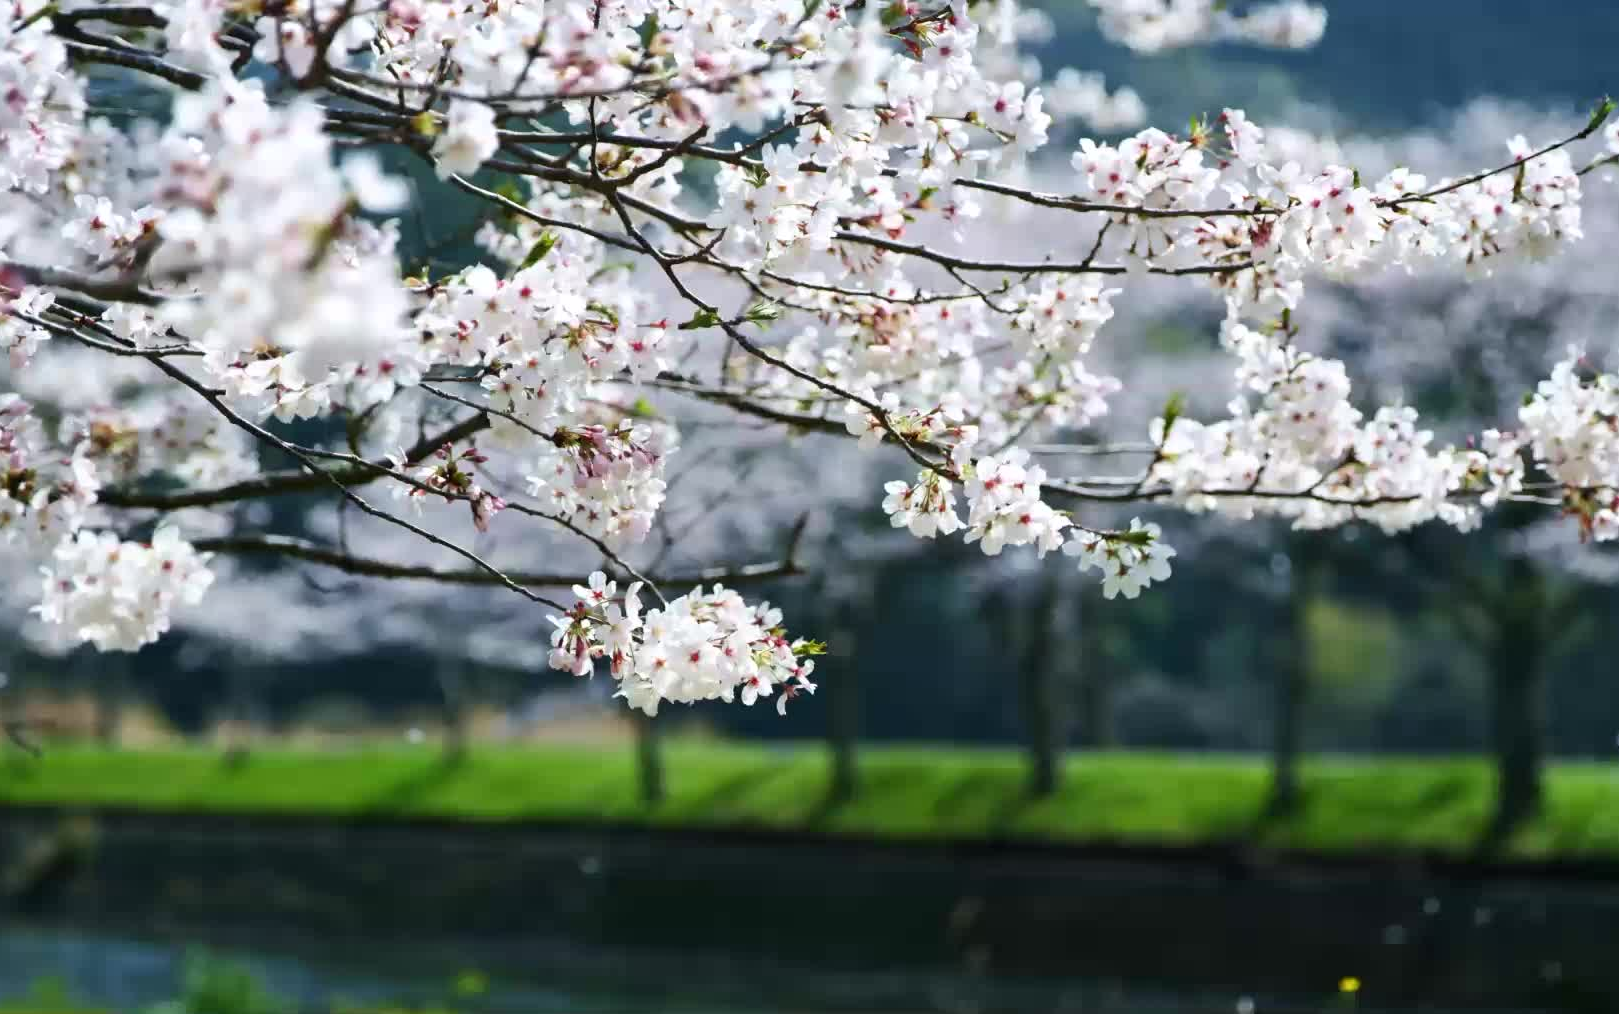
<point x="1384" y="65"/>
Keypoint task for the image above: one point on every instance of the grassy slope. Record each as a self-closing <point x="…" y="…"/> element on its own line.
<point x="1352" y="805"/>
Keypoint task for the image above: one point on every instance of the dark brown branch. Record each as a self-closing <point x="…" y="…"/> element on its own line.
<point x="1427" y="195"/>
<point x="143" y="62"/>
<point x="286" y="482"/>
<point x="312" y="552"/>
<point x="1028" y="267"/>
<point x="622" y="242"/>
<point x="264" y="436"/>
<point x="119" y="290"/>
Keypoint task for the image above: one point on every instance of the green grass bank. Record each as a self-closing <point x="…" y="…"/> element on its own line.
<point x="1350" y="805"/>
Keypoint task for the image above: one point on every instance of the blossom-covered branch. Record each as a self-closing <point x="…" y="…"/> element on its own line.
<point x="772" y="211"/>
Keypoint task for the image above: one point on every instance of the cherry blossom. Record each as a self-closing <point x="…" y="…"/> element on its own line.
<point x="468" y="139"/>
<point x="700" y="646"/>
<point x="19" y="336"/>
<point x="1129" y="561"/>
<point x="119" y="595"/>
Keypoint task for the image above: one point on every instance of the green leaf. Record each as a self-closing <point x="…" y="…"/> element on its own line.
<point x="762" y="313"/>
<point x="510" y="190"/>
<point x="541" y="247"/>
<point x="642" y="409"/>
<point x="702" y="319"/>
<point x="1600" y="115"/>
<point x="1132" y="537"/>
<point x="1174" y="408"/>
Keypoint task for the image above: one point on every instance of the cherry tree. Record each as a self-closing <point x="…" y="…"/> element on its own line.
<point x="775" y="211"/>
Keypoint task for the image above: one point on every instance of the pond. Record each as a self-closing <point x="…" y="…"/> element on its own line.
<point x="548" y="918"/>
<point x="131" y="972"/>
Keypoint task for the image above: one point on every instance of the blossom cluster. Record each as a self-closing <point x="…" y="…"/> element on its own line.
<point x="606" y="480"/>
<point x="1005" y="508"/>
<point x="20" y="337"/>
<point x="44" y="496"/>
<point x="1296" y="446"/>
<point x="254" y="214"/>
<point x="155" y="436"/>
<point x="1004" y="505"/>
<point x="115" y="594"/>
<point x="43" y="110"/>
<point x="1274" y="224"/>
<point x="701" y="646"/>
<point x="452" y="477"/>
<point x="1129" y="561"/>
<point x="545" y="335"/>
<point x="119" y="595"/>
<point x="1572" y="423"/>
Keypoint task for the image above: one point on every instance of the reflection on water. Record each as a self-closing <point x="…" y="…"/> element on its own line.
<point x="133" y="972"/>
<point x="130" y="972"/>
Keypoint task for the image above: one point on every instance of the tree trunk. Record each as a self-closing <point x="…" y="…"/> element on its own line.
<point x="1517" y="707"/>
<point x="240" y="708"/>
<point x="1043" y="711"/>
<point x="452" y="694"/>
<point x="1517" y="734"/>
<point x="843" y="717"/>
<point x="1291" y="684"/>
<point x="648" y="758"/>
<point x="844" y="720"/>
<point x="1291" y="669"/>
<point x="1095" y="681"/>
<point x="109" y="672"/>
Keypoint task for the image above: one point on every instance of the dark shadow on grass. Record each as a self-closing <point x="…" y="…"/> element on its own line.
<point x="699" y="806"/>
<point x="1013" y="806"/>
<point x="967" y="788"/>
<point x="1273" y="814"/>
<point x="1276" y="809"/>
<point x="1444" y="792"/>
<point x="1498" y="832"/>
<point x="402" y="792"/>
<point x="831" y="802"/>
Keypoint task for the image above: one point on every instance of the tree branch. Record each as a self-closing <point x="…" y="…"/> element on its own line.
<point x="313" y="552"/>
<point x="287" y="482"/>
